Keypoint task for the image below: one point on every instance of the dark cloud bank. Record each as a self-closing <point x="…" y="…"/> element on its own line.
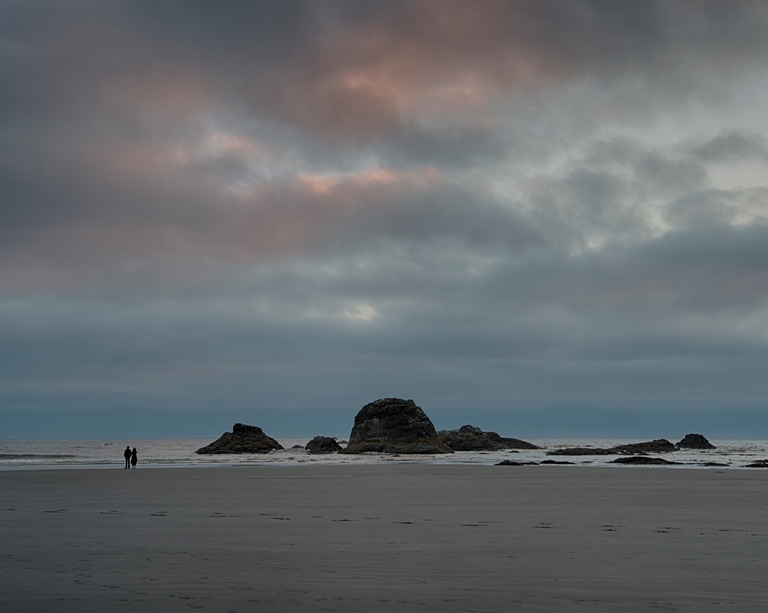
<point x="541" y="217"/>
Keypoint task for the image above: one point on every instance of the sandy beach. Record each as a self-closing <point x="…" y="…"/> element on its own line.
<point x="383" y="538"/>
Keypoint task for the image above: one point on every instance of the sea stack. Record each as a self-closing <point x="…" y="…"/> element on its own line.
<point x="393" y="425"/>
<point x="242" y="439"/>
<point x="323" y="444"/>
<point x="695" y="441"/>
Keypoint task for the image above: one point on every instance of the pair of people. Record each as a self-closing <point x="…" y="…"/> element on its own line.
<point x="130" y="457"/>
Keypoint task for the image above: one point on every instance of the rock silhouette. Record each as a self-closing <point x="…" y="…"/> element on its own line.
<point x="695" y="441"/>
<point x="471" y="438"/>
<point x="393" y="425"/>
<point x="242" y="439"/>
<point x="323" y="444"/>
<point x="660" y="445"/>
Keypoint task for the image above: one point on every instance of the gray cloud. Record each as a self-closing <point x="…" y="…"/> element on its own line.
<point x="491" y="204"/>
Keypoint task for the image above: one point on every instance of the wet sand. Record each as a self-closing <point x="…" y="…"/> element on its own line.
<point x="384" y="538"/>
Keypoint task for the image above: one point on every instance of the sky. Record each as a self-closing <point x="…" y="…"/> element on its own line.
<point x="539" y="217"/>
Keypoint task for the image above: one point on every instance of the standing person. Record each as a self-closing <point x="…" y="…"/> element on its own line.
<point x="127" y="455"/>
<point x="134" y="458"/>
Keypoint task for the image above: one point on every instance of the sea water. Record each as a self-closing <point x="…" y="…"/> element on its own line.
<point x="154" y="453"/>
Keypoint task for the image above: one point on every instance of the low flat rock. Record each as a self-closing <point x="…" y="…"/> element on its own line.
<point x="643" y="460"/>
<point x="393" y="425"/>
<point x="242" y="439"/>
<point x="511" y="443"/>
<point x="573" y="451"/>
<point x="695" y="441"/>
<point x="660" y="445"/>
<point x="757" y="464"/>
<point x="515" y="463"/>
<point x="469" y="438"/>
<point x="323" y="444"/>
<point x="472" y="438"/>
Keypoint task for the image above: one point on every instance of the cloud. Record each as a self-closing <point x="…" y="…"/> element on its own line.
<point x="432" y="192"/>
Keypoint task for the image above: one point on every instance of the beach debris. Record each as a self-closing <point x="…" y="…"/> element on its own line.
<point x="323" y="444"/>
<point x="694" y="441"/>
<point x="393" y="425"/>
<point x="242" y="439"/>
<point x="472" y="438"/>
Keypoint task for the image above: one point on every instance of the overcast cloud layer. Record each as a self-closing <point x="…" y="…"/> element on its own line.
<point x="264" y="209"/>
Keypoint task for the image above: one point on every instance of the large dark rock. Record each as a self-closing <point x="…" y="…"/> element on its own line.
<point x="695" y="441"/>
<point x="323" y="444"/>
<point x="392" y="425"/>
<point x="242" y="439"/>
<point x="471" y="438"/>
<point x="660" y="445"/>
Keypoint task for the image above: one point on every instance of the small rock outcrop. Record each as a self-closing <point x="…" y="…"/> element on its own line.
<point x="323" y="444"/>
<point x="757" y="464"/>
<point x="660" y="445"/>
<point x="643" y="460"/>
<point x="581" y="451"/>
<point x="242" y="439"/>
<point x="393" y="425"/>
<point x="471" y="438"/>
<point x="515" y="463"/>
<point x="695" y="441"/>
<point x="511" y="443"/>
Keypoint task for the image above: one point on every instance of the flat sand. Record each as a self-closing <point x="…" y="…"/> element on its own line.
<point x="404" y="537"/>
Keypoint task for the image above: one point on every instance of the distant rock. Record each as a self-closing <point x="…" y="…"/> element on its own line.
<point x="695" y="441"/>
<point x="556" y="462"/>
<point x="660" y="445"/>
<point x="642" y="460"/>
<point x="581" y="451"/>
<point x="471" y="438"/>
<point x="511" y="443"/>
<point x="242" y="439"/>
<point x="515" y="463"/>
<point x="393" y="425"/>
<point x="323" y="444"/>
<point x="757" y="464"/>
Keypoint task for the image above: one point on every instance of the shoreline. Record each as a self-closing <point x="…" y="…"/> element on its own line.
<point x="406" y="537"/>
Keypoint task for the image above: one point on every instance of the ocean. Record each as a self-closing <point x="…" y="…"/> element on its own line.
<point x="156" y="453"/>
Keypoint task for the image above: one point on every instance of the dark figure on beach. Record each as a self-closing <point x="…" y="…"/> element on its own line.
<point x="134" y="458"/>
<point x="127" y="455"/>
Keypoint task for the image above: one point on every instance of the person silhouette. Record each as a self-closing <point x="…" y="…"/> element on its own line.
<point x="127" y="455"/>
<point x="134" y="458"/>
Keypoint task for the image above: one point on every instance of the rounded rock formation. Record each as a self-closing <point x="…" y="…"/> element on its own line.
<point x="323" y="444"/>
<point x="695" y="441"/>
<point x="242" y="439"/>
<point x="393" y="425"/>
